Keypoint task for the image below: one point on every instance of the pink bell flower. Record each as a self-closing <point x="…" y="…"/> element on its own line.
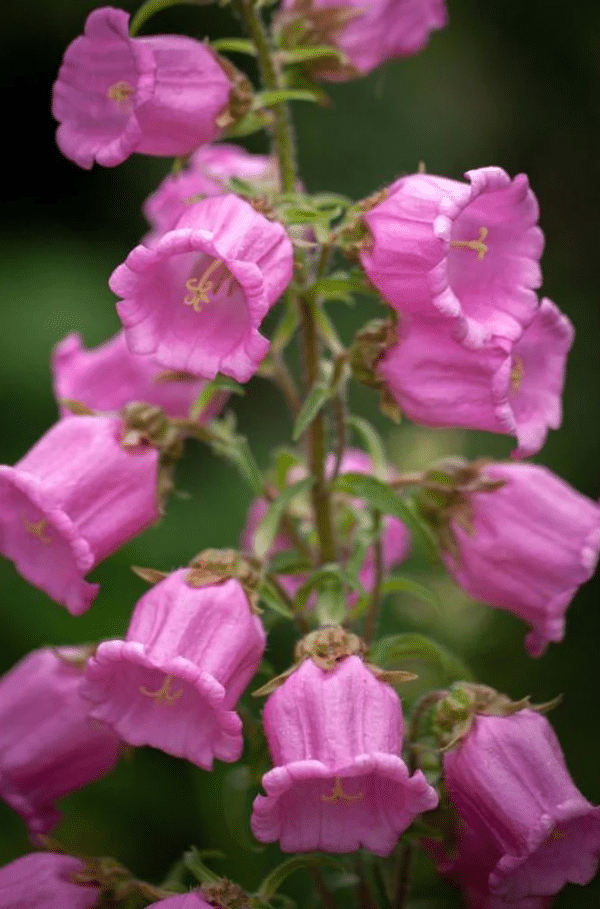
<point x="49" y="747"/>
<point x="115" y="95"/>
<point x="395" y="540"/>
<point x="501" y="386"/>
<point x="43" y="880"/>
<point x="525" y="829"/>
<point x="526" y="547"/>
<point x="338" y="783"/>
<point x="173" y="682"/>
<point x="466" y="251"/>
<point x="367" y="33"/>
<point x="206" y="174"/>
<point x="74" y="499"/>
<point x="109" y="377"/>
<point x="195" y="300"/>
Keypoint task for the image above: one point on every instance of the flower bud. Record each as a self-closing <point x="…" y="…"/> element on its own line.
<point x="44" y="880"/>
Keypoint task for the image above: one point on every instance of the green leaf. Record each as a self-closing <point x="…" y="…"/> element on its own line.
<point x="373" y="444"/>
<point x="327" y="331"/>
<point x="315" y="52"/>
<point x="267" y="528"/>
<point x="225" y="442"/>
<point x="320" y="578"/>
<point x="332" y="606"/>
<point x="407" y="585"/>
<point x="234" y="45"/>
<point x="273" y="881"/>
<point x="286" y="327"/>
<point x="218" y="384"/>
<point x="318" y="396"/>
<point x="250" y="123"/>
<point x="289" y="561"/>
<point x="270" y="597"/>
<point x="332" y="288"/>
<point x="381" y="497"/>
<point x="271" y="97"/>
<point x="397" y="648"/>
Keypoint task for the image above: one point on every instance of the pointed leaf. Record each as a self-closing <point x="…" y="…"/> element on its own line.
<point x="194" y="864"/>
<point x="315" y="52"/>
<point x="373" y="443"/>
<point x="273" y="881"/>
<point x="220" y="383"/>
<point x="270" y="597"/>
<point x="267" y="528"/>
<point x="271" y="97"/>
<point x="318" y="396"/>
<point x="234" y="45"/>
<point x="397" y="648"/>
<point x="414" y="588"/>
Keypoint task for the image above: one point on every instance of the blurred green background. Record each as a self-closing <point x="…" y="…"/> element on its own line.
<point x="511" y="84"/>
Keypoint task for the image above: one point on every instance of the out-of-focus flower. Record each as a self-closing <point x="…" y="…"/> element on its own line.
<point x="75" y="498"/>
<point x="500" y="386"/>
<point x="338" y="783"/>
<point x="108" y="377"/>
<point x="43" y="880"/>
<point x="206" y="174"/>
<point x="395" y="539"/>
<point x="195" y="300"/>
<point x="368" y="34"/>
<point x="173" y="682"/>
<point x="158" y="95"/>
<point x="49" y="747"/>
<point x="468" y="252"/>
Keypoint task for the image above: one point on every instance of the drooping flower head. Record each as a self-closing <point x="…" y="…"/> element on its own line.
<point x="77" y="496"/>
<point x="196" y="299"/>
<point x="338" y="783"/>
<point x="468" y="252"/>
<point x="205" y="175"/>
<point x="158" y="95"/>
<point x="524" y="829"/>
<point x="44" y="880"/>
<point x="367" y="33"/>
<point x="521" y="539"/>
<point x="173" y="682"/>
<point x="504" y="386"/>
<point x="395" y="540"/>
<point x="49" y="747"/>
<point x="109" y="377"/>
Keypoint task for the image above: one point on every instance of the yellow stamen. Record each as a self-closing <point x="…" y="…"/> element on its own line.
<point x="338" y="794"/>
<point x="37" y="528"/>
<point x="120" y="92"/>
<point x="201" y="287"/>
<point x="477" y="245"/>
<point x="163" y="693"/>
<point x="516" y="373"/>
<point x="555" y="836"/>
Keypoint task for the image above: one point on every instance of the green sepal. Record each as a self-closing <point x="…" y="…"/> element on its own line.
<point x="271" y="97"/>
<point x="234" y="45"/>
<point x="225" y="442"/>
<point x="314" y="52"/>
<point x="269" y="595"/>
<point x="192" y="860"/>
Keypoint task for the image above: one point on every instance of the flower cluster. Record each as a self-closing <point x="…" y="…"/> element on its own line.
<point x="466" y="343"/>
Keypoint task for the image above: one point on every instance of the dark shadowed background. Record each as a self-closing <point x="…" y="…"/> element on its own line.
<point x="512" y="84"/>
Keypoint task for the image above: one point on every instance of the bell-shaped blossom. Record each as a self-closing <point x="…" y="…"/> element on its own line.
<point x="195" y="300"/>
<point x="49" y="747"/>
<point x="173" y="682"/>
<point x="525" y="829"/>
<point x="75" y="498"/>
<point x="206" y="174"/>
<point x="500" y="386"/>
<point x="44" y="880"/>
<point x="115" y="95"/>
<point x="109" y="377"/>
<point x="395" y="539"/>
<point x="468" y="252"/>
<point x="367" y="33"/>
<point x="526" y="547"/>
<point x="338" y="783"/>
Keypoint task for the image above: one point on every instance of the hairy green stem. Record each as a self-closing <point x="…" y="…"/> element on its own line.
<point x="374" y="600"/>
<point x="283" y="137"/>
